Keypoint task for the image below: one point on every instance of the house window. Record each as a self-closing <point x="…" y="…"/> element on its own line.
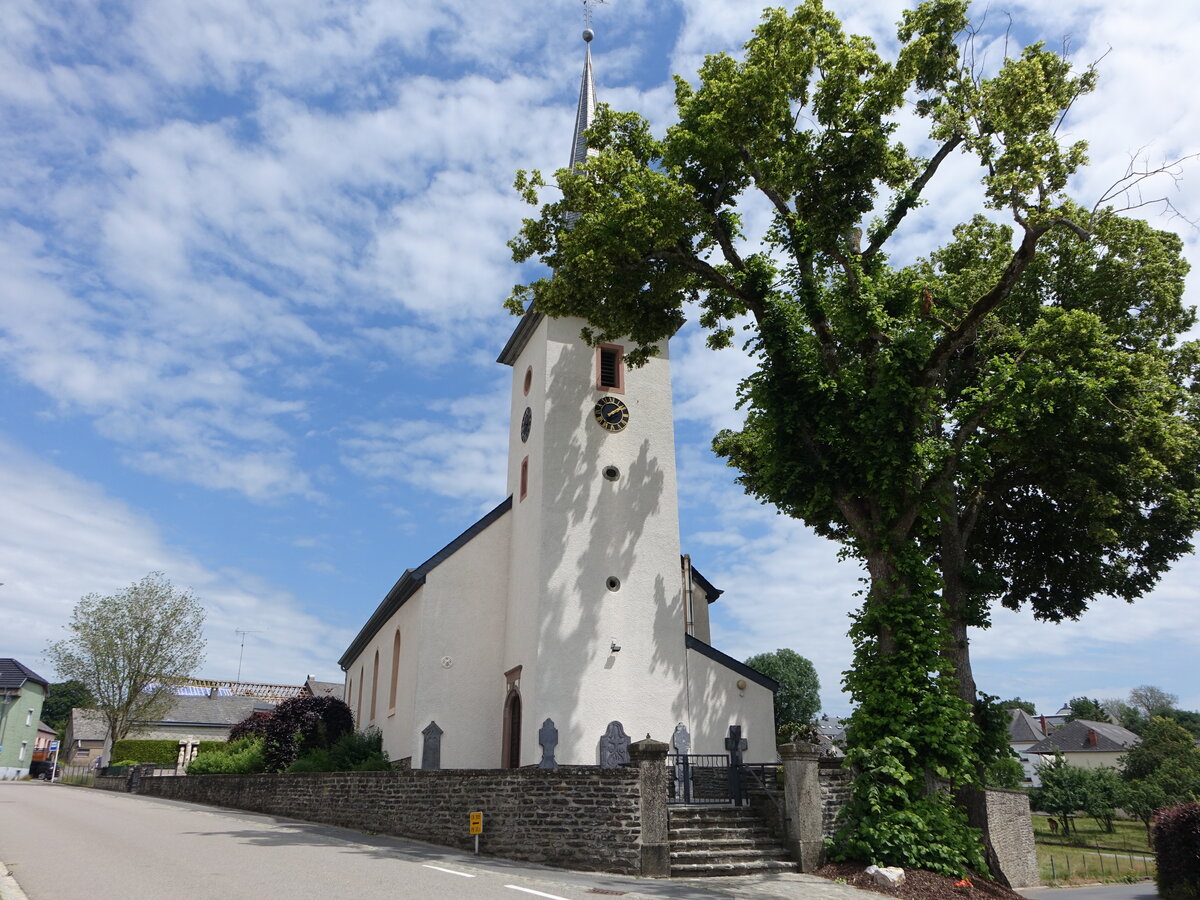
<point x="610" y="368"/>
<point x="524" y="477"/>
<point x="24" y="747"/>
<point x="395" y="671"/>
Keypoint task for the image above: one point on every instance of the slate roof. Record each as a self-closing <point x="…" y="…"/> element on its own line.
<point x="1024" y="728"/>
<point x="211" y="710"/>
<point x="13" y="675"/>
<point x="87" y="725"/>
<point x="324" y="688"/>
<point x="1073" y="737"/>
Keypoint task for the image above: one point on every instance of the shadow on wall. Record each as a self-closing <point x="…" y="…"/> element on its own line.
<point x="593" y="526"/>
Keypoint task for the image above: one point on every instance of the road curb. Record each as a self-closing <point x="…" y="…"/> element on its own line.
<point x="9" y="889"/>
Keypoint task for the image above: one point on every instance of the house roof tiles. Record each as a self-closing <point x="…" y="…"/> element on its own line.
<point x="1077" y="737"/>
<point x="14" y="674"/>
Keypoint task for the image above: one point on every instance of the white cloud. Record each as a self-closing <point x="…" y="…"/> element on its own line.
<point x="62" y="537"/>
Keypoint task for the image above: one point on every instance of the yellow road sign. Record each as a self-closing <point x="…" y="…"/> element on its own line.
<point x="476" y="823"/>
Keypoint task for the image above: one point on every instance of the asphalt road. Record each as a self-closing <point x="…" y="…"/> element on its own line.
<point x="68" y="843"/>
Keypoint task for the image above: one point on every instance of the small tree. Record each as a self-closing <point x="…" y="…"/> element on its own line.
<point x="1103" y="792"/>
<point x="1064" y="790"/>
<point x="799" y="697"/>
<point x="130" y="648"/>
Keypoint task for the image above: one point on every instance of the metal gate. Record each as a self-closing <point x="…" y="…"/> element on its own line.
<point x="705" y="778"/>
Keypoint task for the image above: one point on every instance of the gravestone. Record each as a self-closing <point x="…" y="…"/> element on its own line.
<point x="548" y="738"/>
<point x="614" y="746"/>
<point x="681" y="745"/>
<point x="681" y="741"/>
<point x="736" y="745"/>
<point x="431" y="752"/>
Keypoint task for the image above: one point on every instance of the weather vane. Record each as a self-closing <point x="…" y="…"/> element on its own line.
<point x="587" y="16"/>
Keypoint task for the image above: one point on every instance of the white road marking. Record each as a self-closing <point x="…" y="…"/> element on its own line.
<point x="513" y="887"/>
<point x="448" y="871"/>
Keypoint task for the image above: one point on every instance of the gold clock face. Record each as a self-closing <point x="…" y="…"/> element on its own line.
<point x="611" y="413"/>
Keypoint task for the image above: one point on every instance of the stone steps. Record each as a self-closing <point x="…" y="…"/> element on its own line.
<point x="723" y="840"/>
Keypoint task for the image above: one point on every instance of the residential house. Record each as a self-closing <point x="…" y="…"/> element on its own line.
<point x="22" y="693"/>
<point x="1089" y="745"/>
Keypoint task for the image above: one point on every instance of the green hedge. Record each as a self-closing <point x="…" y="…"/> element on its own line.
<point x="160" y="752"/>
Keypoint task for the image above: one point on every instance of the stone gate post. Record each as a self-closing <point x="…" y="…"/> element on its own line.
<point x="650" y="758"/>
<point x="802" y="798"/>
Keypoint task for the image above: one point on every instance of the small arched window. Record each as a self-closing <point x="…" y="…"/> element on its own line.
<point x="358" y="705"/>
<point x="395" y="671"/>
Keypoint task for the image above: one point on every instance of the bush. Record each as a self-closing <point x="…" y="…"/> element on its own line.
<point x="159" y="752"/>
<point x="303" y="724"/>
<point x="352" y="752"/>
<point x="240" y="757"/>
<point x="1176" y="839"/>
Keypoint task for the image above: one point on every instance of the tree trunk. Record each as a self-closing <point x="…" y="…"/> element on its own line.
<point x="971" y="797"/>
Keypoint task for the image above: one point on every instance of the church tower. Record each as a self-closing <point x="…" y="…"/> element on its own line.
<point x="596" y="607"/>
<point x="570" y="600"/>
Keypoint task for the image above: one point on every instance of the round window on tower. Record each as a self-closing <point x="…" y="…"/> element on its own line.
<point x="610" y="473"/>
<point x="613" y="583"/>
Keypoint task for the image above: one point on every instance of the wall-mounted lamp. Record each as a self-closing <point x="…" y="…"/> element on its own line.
<point x="615" y="648"/>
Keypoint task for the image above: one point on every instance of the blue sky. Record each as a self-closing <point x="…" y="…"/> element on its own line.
<point x="251" y="266"/>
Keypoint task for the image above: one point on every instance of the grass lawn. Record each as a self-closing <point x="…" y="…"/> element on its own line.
<point x="1075" y="865"/>
<point x="1130" y="860"/>
<point x="1126" y="836"/>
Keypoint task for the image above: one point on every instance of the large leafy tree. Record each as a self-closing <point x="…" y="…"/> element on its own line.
<point x="130" y="648"/>
<point x="798" y="699"/>
<point x="61" y="698"/>
<point x="1005" y="418"/>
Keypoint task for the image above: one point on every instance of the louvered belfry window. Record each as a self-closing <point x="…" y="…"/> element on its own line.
<point x="610" y="368"/>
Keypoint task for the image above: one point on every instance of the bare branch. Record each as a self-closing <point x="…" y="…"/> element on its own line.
<point x="909" y="199"/>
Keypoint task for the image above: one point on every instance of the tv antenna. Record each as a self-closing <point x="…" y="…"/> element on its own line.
<point x="243" y="634"/>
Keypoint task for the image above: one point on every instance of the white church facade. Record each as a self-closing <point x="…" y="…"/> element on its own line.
<point x="570" y="600"/>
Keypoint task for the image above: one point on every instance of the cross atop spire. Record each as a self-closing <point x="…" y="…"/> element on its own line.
<point x="585" y="114"/>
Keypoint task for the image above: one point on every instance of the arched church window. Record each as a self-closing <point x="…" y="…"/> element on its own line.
<point x="374" y="684"/>
<point x="395" y="671"/>
<point x="358" y="704"/>
<point x="524" y="477"/>
<point x="511" y="757"/>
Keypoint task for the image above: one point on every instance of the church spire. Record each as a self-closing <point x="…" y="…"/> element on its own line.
<point x="585" y="114"/>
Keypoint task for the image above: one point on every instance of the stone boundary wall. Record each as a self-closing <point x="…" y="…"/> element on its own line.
<point x="577" y="817"/>
<point x="1011" y="828"/>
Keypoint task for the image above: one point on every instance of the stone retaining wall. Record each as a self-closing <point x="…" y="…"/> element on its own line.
<point x="577" y="817"/>
<point x="835" y="793"/>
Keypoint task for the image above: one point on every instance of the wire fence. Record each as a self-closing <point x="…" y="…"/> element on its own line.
<point x="1096" y="866"/>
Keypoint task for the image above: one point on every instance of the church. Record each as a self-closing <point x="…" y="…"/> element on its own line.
<point x="570" y="600"/>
